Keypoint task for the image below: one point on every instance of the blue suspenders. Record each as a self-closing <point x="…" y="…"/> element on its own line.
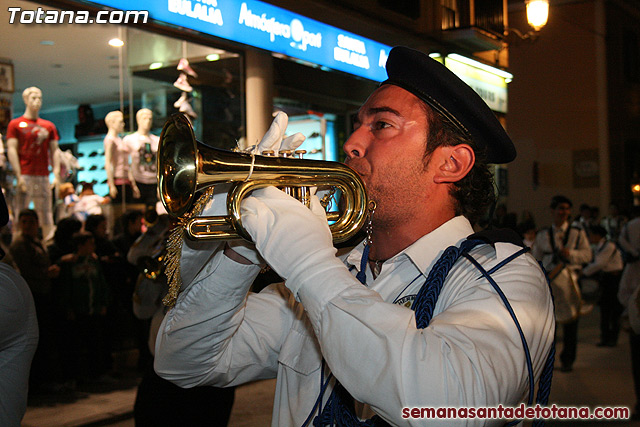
<point x="339" y="408"/>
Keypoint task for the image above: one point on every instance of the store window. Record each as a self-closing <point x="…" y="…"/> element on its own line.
<point x="170" y="75"/>
<point x="163" y="74"/>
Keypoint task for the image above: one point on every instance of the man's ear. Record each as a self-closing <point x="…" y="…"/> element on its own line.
<point x="456" y="162"/>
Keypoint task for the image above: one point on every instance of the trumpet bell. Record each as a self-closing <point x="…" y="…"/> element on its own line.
<point x="178" y="165"/>
<point x="187" y="166"/>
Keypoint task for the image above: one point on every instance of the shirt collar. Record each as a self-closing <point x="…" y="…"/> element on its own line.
<point x="563" y="227"/>
<point x="426" y="250"/>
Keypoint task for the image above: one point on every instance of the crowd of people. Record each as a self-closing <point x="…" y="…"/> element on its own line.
<point x="82" y="286"/>
<point x="599" y="256"/>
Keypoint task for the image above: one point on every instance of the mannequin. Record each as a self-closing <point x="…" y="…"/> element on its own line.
<point x="116" y="159"/>
<point x="143" y="147"/>
<point x="31" y="143"/>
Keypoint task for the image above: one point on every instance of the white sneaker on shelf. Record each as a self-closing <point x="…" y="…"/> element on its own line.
<point x="186" y="108"/>
<point x="181" y="100"/>
<point x="183" y="65"/>
<point x="182" y="83"/>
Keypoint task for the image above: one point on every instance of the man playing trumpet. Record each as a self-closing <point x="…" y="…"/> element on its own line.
<point x="417" y="315"/>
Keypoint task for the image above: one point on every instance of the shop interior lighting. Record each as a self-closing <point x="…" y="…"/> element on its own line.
<point x="212" y="57"/>
<point x="116" y="42"/>
<point x="155" y="65"/>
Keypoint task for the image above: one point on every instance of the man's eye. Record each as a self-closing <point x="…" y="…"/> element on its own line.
<point x="381" y="125"/>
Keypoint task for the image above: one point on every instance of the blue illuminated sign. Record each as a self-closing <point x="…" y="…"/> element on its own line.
<point x="271" y="28"/>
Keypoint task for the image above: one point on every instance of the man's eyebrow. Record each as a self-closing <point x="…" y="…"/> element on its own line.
<point x="355" y="119"/>
<point x="374" y="110"/>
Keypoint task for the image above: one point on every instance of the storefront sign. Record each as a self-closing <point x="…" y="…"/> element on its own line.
<point x="491" y="86"/>
<point x="271" y="28"/>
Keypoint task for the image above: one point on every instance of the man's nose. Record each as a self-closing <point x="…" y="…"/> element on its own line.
<point x="356" y="145"/>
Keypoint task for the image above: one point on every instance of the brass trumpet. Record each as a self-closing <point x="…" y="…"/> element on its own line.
<point x="187" y="166"/>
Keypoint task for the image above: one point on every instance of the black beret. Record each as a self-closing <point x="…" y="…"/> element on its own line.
<point x="443" y="91"/>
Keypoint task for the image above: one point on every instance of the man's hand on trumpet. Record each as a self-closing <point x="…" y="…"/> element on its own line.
<point x="196" y="253"/>
<point x="293" y="239"/>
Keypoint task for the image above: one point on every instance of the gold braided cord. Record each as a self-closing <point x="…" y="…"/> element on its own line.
<point x="174" y="249"/>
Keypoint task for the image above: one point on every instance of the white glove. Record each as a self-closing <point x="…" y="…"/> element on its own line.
<point x="294" y="240"/>
<point x="274" y="138"/>
<point x="196" y="253"/>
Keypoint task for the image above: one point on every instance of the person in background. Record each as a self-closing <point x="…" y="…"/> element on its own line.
<point x="585" y="218"/>
<point x="562" y="243"/>
<point x="109" y="258"/>
<point x="85" y="297"/>
<point x="67" y="198"/>
<point x="131" y="225"/>
<point x="198" y="406"/>
<point x="527" y="231"/>
<point x="34" y="266"/>
<point x="89" y="203"/>
<point x="606" y="267"/>
<point x="503" y="218"/>
<point x="62" y="239"/>
<point x="628" y="295"/>
<point x="613" y="222"/>
<point x="18" y="337"/>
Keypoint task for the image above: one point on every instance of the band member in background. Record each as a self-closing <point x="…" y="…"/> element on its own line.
<point x="562" y="243"/>
<point x="340" y="334"/>
<point x="606" y="267"/>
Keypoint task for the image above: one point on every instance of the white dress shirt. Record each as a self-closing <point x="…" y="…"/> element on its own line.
<point x="607" y="258"/>
<point x="470" y="355"/>
<point x="576" y="242"/>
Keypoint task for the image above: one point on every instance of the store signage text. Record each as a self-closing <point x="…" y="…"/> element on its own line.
<point x="268" y="27"/>
<point x="204" y="10"/>
<point x="294" y="30"/>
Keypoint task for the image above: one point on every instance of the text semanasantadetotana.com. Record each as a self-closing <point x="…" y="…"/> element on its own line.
<point x="518" y="412"/>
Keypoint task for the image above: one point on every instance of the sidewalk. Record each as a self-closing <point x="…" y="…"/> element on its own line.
<point x="601" y="377"/>
<point x="90" y="404"/>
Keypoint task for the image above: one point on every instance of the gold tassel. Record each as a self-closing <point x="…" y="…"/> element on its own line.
<point x="174" y="249"/>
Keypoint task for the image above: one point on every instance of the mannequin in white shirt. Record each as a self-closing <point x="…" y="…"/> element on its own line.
<point x="117" y="160"/>
<point x="143" y="146"/>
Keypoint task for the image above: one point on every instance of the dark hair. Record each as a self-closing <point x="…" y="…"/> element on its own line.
<point x="475" y="192"/>
<point x="525" y="226"/>
<point x="598" y="230"/>
<point x="28" y="212"/>
<point x="65" y="229"/>
<point x="92" y="222"/>
<point x="80" y="238"/>
<point x="559" y="199"/>
<point x="131" y="216"/>
<point x="150" y="214"/>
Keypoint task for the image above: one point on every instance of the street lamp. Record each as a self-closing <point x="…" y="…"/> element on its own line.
<point x="537" y="16"/>
<point x="537" y="13"/>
